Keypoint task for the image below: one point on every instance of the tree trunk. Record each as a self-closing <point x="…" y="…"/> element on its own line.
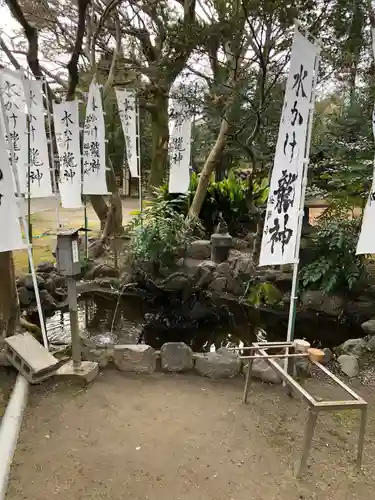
<point x="257" y="243"/>
<point x="160" y="138"/>
<point x="9" y="308"/>
<point x="208" y="168"/>
<point x="102" y="209"/>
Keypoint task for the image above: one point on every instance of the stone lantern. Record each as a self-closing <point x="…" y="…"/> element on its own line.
<point x="221" y="242"/>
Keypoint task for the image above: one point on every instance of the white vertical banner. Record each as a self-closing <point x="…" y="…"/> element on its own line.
<point x="180" y="151"/>
<point x="94" y="157"/>
<point x="66" y="121"/>
<point x="366" y="241"/>
<point x="10" y="228"/>
<point x="281" y="220"/>
<point x="127" y="105"/>
<point x="39" y="164"/>
<point x="11" y="87"/>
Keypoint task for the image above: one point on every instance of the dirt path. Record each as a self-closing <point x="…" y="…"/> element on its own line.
<point x="181" y="438"/>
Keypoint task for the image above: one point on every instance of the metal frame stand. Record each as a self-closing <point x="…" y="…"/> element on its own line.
<point x="259" y="351"/>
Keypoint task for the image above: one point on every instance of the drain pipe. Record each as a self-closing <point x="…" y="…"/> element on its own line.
<point x="10" y="429"/>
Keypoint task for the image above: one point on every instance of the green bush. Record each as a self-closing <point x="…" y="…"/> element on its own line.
<point x="334" y="266"/>
<point x="160" y="233"/>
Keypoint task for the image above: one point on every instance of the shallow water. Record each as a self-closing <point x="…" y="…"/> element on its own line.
<point x="106" y="321"/>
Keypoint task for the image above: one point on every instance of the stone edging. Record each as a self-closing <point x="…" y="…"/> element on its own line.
<point x="175" y="357"/>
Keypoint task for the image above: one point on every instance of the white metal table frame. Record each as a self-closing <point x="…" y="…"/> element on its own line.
<point x="258" y="350"/>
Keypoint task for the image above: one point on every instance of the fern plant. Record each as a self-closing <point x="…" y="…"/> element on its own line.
<point x="334" y="266"/>
<point x="160" y="233"/>
<point x="264" y="293"/>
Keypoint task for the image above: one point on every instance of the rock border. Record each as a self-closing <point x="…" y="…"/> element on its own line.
<point x="177" y="357"/>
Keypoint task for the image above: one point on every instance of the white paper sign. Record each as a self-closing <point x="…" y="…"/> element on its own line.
<point x="39" y="168"/>
<point x="94" y="159"/>
<point x="180" y="151"/>
<point x="127" y="106"/>
<point x="75" y="251"/>
<point x="281" y="220"/>
<point x="66" y="121"/>
<point x="11" y="87"/>
<point x="10" y="229"/>
<point x="366" y="241"/>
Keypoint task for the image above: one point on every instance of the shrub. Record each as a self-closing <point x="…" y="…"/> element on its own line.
<point x="159" y="234"/>
<point x="334" y="265"/>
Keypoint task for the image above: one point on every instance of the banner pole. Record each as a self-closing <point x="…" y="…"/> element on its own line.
<point x="52" y="156"/>
<point x="294" y="290"/>
<point x="139" y="155"/>
<point x="25" y="228"/>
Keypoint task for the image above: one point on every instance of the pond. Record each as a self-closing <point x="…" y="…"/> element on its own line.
<point x="105" y="320"/>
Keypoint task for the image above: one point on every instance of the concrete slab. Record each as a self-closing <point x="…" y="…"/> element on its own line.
<point x="30" y="357"/>
<point x="31" y="351"/>
<point x="87" y="372"/>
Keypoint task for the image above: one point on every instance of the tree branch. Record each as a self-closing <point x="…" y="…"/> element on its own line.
<point x="31" y="34"/>
<point x="111" y="5"/>
<point x="73" y="63"/>
<point x="116" y="53"/>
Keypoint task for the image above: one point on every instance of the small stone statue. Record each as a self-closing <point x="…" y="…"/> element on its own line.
<point x="222" y="226"/>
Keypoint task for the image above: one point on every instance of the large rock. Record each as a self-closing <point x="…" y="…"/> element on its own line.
<point x="46" y="267"/>
<point x="371" y="344"/>
<point x="215" y="365"/>
<point x="56" y="281"/>
<point x="48" y="302"/>
<point x="137" y="358"/>
<point x="102" y="271"/>
<point x="199" y="249"/>
<point x="28" y="282"/>
<point x="223" y="269"/>
<point x="102" y="356"/>
<point x="218" y="284"/>
<point x="369" y="327"/>
<point x="261" y="370"/>
<point x="348" y="365"/>
<point x="236" y="286"/>
<point x="354" y="347"/>
<point x="25" y="296"/>
<point x="176" y="282"/>
<point x="176" y="357"/>
<point x="318" y="301"/>
<point x="241" y="263"/>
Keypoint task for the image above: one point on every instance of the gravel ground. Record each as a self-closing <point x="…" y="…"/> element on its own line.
<point x="182" y="437"/>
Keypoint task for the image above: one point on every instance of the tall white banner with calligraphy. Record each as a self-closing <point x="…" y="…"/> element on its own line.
<point x="39" y="163"/>
<point x="11" y="86"/>
<point x="281" y="220"/>
<point x="10" y="228"/>
<point x="127" y="105"/>
<point x="94" y="158"/>
<point x="366" y="242"/>
<point x="180" y="151"/>
<point x="66" y="120"/>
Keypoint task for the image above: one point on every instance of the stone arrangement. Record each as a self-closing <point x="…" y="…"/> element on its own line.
<point x="177" y="357"/>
